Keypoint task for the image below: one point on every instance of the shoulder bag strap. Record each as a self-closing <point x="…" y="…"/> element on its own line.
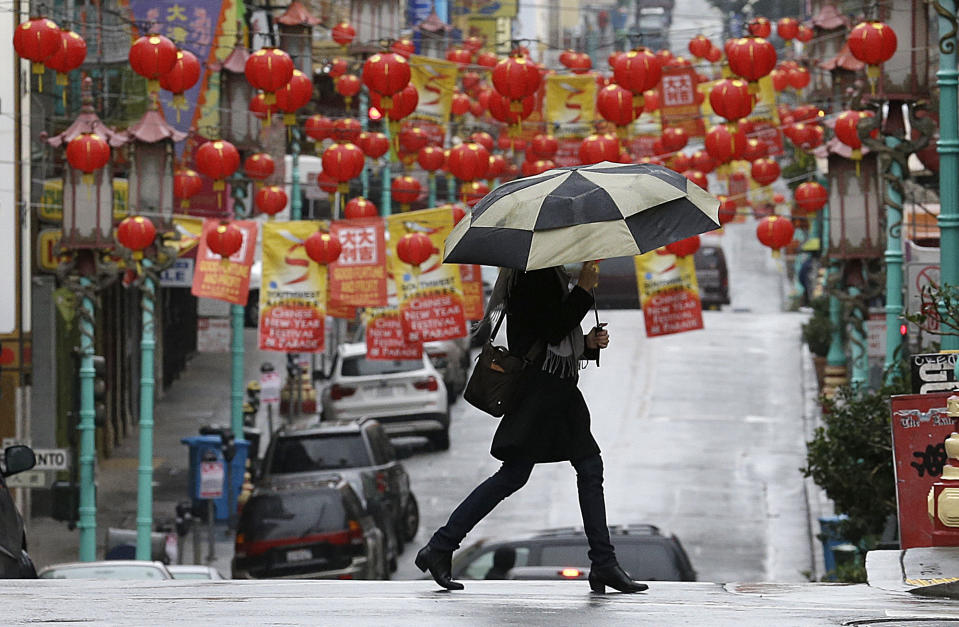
<point x="533" y="351"/>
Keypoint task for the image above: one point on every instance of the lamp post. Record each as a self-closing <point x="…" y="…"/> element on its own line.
<point x="947" y="79"/>
<point x="87" y="232"/>
<point x="151" y="193"/>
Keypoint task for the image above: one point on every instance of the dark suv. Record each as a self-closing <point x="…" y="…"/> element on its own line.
<point x="307" y="528"/>
<point x="360" y="452"/>
<point x="642" y="550"/>
<point x="15" y="562"/>
<point x="712" y="276"/>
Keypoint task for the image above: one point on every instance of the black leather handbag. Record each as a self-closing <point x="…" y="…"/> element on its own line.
<point x="492" y="386"/>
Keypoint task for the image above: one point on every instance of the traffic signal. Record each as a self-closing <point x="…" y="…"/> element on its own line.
<point x="100" y="390"/>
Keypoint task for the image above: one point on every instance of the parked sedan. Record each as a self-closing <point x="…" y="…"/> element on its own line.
<point x="193" y="571"/>
<point x="407" y="396"/>
<point x="643" y="551"/>
<point x="107" y="569"/>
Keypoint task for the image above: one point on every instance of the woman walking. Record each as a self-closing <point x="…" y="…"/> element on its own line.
<point x="549" y="420"/>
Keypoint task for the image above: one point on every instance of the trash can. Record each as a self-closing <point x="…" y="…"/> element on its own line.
<point x="830" y="538"/>
<point x="209" y="447"/>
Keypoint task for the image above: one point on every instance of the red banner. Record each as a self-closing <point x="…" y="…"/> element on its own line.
<point x="471" y="278"/>
<point x="336" y="309"/>
<point x="433" y="315"/>
<point x="358" y="276"/>
<point x="920" y="426"/>
<point x="384" y="338"/>
<point x="215" y="277"/>
<point x="292" y="328"/>
<point x="673" y="311"/>
<point x="677" y="95"/>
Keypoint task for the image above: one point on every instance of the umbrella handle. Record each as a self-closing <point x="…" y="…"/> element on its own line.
<point x="596" y="313"/>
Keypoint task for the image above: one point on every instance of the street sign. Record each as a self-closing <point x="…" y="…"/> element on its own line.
<point x="52" y="459"/>
<point x="933" y="372"/>
<point x="211" y="480"/>
<point x="29" y="479"/>
<point x="270" y="385"/>
<point x="180" y="274"/>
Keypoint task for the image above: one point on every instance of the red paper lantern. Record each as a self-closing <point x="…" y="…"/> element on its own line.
<point x="460" y="104"/>
<point x="787" y="28"/>
<point x="269" y="69"/>
<point x="544" y="146"/>
<point x="405" y="190"/>
<point x="414" y="248"/>
<point x="458" y="213"/>
<point x="779" y="198"/>
<point x="343" y="162"/>
<point x="754" y="149"/>
<point x="461" y="56"/>
<point x="270" y="199"/>
<point x="318" y="127"/>
<point x="873" y="42"/>
<point x="516" y="78"/>
<point x="348" y="86"/>
<point x="497" y="167"/>
<point x="581" y="63"/>
<point x="346" y="130"/>
<point x="152" y="56"/>
<point x="798" y="78"/>
<point x="322" y="248"/>
<point x="566" y="57"/>
<point x="723" y="144"/>
<point x="470" y="80"/>
<point x="684" y="247"/>
<point x="224" y="240"/>
<point x="703" y="162"/>
<point x="487" y="59"/>
<point x="260" y="108"/>
<point x="259" y="165"/>
<point x="484" y="139"/>
<point x="186" y="184"/>
<point x="136" y="233"/>
<point x="638" y="71"/>
<point x="412" y="138"/>
<point x="615" y="104"/>
<point x="697" y="177"/>
<point x="805" y="34"/>
<point x="674" y="138"/>
<point x="473" y="192"/>
<point x="811" y="196"/>
<point x="403" y="103"/>
<point x="386" y="73"/>
<point x="680" y="162"/>
<point x="218" y="160"/>
<point x="296" y="94"/>
<point x="727" y="210"/>
<point x="338" y="67"/>
<point x="532" y="168"/>
<point x="731" y="99"/>
<point x="597" y="148"/>
<point x="468" y="161"/>
<point x="714" y="54"/>
<point x="88" y="152"/>
<point x="373" y="144"/>
<point x="760" y="27"/>
<point x="403" y="47"/>
<point x="699" y="46"/>
<point x="811" y="137"/>
<point x="360" y="207"/>
<point x="431" y="158"/>
<point x="847" y="129"/>
<point x="327" y="183"/>
<point x="775" y="232"/>
<point x="764" y="171"/>
<point x="343" y="33"/>
<point x="751" y="58"/>
<point x="780" y="79"/>
<point x="37" y="40"/>
<point x="70" y="55"/>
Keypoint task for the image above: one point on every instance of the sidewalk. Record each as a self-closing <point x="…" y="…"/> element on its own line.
<point x="199" y="397"/>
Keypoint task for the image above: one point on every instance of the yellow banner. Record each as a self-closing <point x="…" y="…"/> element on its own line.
<point x="292" y="290"/>
<point x="570" y="99"/>
<point x="484" y="8"/>
<point x="668" y="293"/>
<point x="432" y="273"/>
<point x="189" y="231"/>
<point x="435" y="82"/>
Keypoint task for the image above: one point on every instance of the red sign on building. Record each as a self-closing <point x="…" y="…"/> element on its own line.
<point x="384" y="338"/>
<point x="679" y="105"/>
<point x="920" y="426"/>
<point x="433" y="315"/>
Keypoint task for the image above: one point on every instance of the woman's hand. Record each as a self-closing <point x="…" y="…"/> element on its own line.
<point x="589" y="275"/>
<point x="598" y="337"/>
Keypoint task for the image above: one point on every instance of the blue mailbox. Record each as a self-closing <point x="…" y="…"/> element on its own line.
<point x="209" y="447"/>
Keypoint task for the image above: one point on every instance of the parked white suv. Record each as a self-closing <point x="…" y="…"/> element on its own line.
<point x="406" y="396"/>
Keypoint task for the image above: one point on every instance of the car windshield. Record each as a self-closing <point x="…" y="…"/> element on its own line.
<point x="308" y="454"/>
<point x="360" y="366"/>
<point x="132" y="571"/>
<point x="293" y="514"/>
<point x="645" y="561"/>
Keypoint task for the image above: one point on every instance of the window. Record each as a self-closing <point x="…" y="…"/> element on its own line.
<point x="292" y="514"/>
<point x="360" y="366"/>
<point x="312" y="453"/>
<point x="478" y="568"/>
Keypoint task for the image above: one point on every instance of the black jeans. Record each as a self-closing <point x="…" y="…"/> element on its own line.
<point x="511" y="477"/>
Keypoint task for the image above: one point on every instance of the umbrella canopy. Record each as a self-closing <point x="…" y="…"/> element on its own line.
<point x="568" y="215"/>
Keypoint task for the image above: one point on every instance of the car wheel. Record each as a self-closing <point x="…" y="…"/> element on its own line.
<point x="411" y="519"/>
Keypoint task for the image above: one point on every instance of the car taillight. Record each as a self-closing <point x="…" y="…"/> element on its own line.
<point x="381" y="482"/>
<point x="341" y="391"/>
<point x="239" y="545"/>
<point x="429" y="383"/>
<point x="355" y="532"/>
<point x="571" y="573"/>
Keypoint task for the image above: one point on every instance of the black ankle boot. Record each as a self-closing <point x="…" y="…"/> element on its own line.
<point x="440" y="565"/>
<point x="615" y="577"/>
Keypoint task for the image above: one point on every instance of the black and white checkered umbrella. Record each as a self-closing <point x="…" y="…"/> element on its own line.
<point x="568" y="215"/>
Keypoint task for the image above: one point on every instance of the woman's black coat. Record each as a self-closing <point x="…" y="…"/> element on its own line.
<point x="549" y="421"/>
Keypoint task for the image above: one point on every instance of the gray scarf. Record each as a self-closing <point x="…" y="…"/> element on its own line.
<point x="561" y="359"/>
